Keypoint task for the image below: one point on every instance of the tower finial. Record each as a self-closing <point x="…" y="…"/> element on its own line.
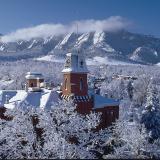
<point x="77" y="36"/>
<point x="77" y="29"/>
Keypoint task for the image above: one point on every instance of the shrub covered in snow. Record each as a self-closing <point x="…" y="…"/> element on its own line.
<point x="57" y="133"/>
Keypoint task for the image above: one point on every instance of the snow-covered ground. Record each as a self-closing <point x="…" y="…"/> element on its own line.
<point x="64" y="41"/>
<point x="32" y="44"/>
<point x="90" y="61"/>
<point x="158" y="64"/>
<point x="82" y="39"/>
<point x="98" y="41"/>
<point x="50" y="58"/>
<point x="2" y="48"/>
<point x="98" y="37"/>
<point x="105" y="60"/>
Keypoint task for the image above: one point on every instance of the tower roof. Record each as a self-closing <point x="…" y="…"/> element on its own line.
<point x="75" y="63"/>
<point x="34" y="75"/>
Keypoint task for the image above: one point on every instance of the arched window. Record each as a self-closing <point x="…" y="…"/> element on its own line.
<point x="65" y="84"/>
<point x="81" y="84"/>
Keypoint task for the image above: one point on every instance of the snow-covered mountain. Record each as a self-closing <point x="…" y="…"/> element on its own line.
<point x="144" y="54"/>
<point x="120" y="45"/>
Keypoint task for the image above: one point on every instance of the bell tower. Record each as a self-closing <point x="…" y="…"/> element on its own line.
<point x="75" y="81"/>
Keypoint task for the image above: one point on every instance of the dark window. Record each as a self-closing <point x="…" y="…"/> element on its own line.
<point x="105" y="116"/>
<point x="81" y="63"/>
<point x="81" y="84"/>
<point x="65" y="83"/>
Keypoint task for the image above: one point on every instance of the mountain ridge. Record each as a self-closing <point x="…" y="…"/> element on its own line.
<point x="117" y="45"/>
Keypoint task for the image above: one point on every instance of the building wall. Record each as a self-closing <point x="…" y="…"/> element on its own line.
<point x="84" y="107"/>
<point x="71" y="84"/>
<point x="109" y="115"/>
<point x="34" y="82"/>
<point x="39" y="81"/>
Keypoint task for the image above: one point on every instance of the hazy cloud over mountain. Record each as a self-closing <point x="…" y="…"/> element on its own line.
<point x="113" y="23"/>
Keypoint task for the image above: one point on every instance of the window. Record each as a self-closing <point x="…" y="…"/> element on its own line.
<point x="81" y="84"/>
<point x="32" y="84"/>
<point x="65" y="83"/>
<point x="81" y="64"/>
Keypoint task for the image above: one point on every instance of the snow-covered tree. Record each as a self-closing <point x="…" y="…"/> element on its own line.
<point x="140" y="89"/>
<point x="128" y="140"/>
<point x="122" y="89"/>
<point x="115" y="89"/>
<point x="130" y="89"/>
<point x="17" y="135"/>
<point x="151" y="112"/>
<point x="74" y="132"/>
<point x="57" y="133"/>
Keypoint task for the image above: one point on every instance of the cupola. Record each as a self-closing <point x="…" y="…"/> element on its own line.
<point x="75" y="63"/>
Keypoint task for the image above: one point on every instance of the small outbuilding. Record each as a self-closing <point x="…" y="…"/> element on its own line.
<point x="34" y="81"/>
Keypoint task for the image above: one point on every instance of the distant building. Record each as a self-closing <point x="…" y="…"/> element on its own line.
<point x="34" y="81"/>
<point x="120" y="77"/>
<point x="75" y="86"/>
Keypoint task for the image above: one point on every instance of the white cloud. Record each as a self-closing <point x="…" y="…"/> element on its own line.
<point x="113" y="23"/>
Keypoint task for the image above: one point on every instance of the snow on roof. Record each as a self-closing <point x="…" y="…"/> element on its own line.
<point x="101" y="102"/>
<point x="43" y="99"/>
<point x="3" y="93"/>
<point x="70" y="54"/>
<point x="34" y="75"/>
<point x="16" y="99"/>
<point x="74" y="70"/>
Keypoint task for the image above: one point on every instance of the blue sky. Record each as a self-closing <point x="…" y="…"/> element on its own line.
<point x="15" y="14"/>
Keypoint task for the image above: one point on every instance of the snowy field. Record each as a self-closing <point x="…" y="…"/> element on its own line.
<point x="90" y="61"/>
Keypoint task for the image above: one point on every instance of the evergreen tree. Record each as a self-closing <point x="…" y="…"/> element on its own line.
<point x="151" y="112"/>
<point x="121" y="90"/>
<point x="130" y="89"/>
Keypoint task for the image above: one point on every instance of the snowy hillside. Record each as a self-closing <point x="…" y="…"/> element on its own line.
<point x="120" y="45"/>
<point x="144" y="54"/>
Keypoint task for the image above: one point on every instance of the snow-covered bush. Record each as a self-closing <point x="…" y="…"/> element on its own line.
<point x="57" y="133"/>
